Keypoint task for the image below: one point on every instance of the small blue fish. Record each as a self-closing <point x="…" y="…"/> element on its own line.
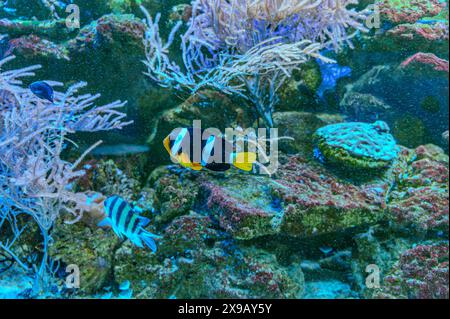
<point x="331" y="73"/>
<point x="42" y="90"/>
<point x="318" y="155"/>
<point x="126" y="222"/>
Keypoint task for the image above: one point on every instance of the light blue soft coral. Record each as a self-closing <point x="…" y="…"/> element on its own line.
<point x="357" y="145"/>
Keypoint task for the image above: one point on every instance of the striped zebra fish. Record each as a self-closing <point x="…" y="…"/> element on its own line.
<point x="126" y="222"/>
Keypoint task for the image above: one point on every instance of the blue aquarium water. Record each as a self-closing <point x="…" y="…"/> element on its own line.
<point x="212" y="149"/>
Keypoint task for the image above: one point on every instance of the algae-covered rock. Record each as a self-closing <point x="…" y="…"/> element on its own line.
<point x="140" y="267"/>
<point x="106" y="177"/>
<point x="420" y="273"/>
<point x="300" y="126"/>
<point x="91" y="249"/>
<point x="409" y="10"/>
<point x="216" y="272"/>
<point x="188" y="233"/>
<point x="174" y="196"/>
<point x="302" y="200"/>
<point x="357" y="145"/>
<point x="410" y="130"/>
<point x="299" y="91"/>
<point x="268" y="279"/>
<point x="406" y="267"/>
<point x="419" y="195"/>
<point x="315" y="201"/>
<point x="363" y="106"/>
<point x="243" y="205"/>
<point x="390" y="263"/>
<point x="377" y="248"/>
<point x="407" y="27"/>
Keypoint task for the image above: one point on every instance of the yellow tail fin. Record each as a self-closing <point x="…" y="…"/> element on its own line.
<point x="244" y="160"/>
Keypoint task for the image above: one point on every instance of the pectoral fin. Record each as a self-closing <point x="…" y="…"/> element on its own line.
<point x="106" y="222"/>
<point x="184" y="160"/>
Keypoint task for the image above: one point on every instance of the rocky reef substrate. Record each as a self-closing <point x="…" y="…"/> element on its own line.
<point x="305" y="232"/>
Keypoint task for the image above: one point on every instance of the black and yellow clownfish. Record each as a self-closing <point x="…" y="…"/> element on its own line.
<point x="180" y="139"/>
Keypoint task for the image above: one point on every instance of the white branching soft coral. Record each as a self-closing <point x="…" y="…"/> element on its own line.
<point x="250" y="47"/>
<point x="34" y="178"/>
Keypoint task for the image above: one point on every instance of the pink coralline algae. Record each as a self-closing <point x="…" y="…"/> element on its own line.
<point x="187" y="232"/>
<point x="265" y="277"/>
<point x="409" y="11"/>
<point x="427" y="58"/>
<point x="416" y="19"/>
<point x="420" y="197"/>
<point x="304" y="199"/>
<point x="107" y="29"/>
<point x="318" y="202"/>
<point x="421" y="272"/>
<point x="434" y="32"/>
<point x="241" y="211"/>
<point x="32" y="46"/>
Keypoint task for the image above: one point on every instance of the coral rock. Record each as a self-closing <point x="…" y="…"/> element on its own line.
<point x="420" y="273"/>
<point x="428" y="58"/>
<point x="409" y="10"/>
<point x="91" y="249"/>
<point x="301" y="201"/>
<point x="419" y="197"/>
<point x="300" y="126"/>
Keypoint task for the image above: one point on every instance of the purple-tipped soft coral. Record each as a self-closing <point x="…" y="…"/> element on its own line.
<point x="249" y="48"/>
<point x="34" y="179"/>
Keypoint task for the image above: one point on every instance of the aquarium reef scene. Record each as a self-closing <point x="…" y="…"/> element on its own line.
<point x="224" y="149"/>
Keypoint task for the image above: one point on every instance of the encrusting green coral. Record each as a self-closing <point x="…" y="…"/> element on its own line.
<point x="357" y="145"/>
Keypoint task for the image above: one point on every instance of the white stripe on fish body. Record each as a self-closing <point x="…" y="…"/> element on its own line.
<point x="232" y="158"/>
<point x="177" y="144"/>
<point x="207" y="150"/>
<point x="120" y="214"/>
<point x="125" y="215"/>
